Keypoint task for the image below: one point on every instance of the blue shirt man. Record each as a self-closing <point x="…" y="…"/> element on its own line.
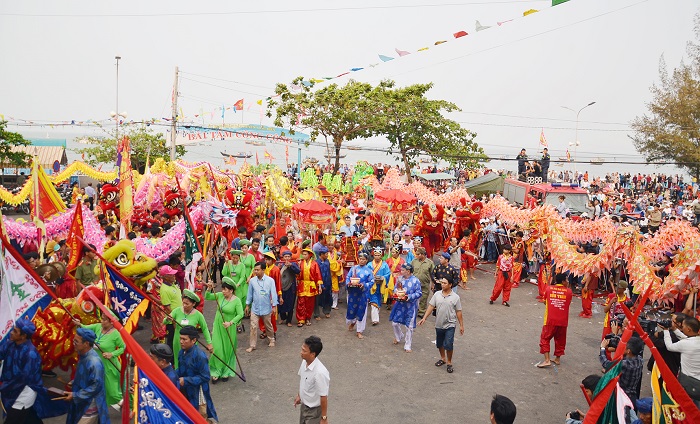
<point x="193" y="370"/>
<point x="262" y="295"/>
<point x="87" y="398"/>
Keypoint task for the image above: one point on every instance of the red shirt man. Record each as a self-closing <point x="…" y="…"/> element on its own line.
<point x="556" y="320"/>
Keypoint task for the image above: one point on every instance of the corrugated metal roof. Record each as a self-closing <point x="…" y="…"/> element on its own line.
<point x="47" y="154"/>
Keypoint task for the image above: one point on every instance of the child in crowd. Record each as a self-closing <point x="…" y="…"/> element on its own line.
<point x="504" y="266"/>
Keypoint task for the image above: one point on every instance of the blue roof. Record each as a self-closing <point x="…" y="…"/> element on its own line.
<point x="61" y="142"/>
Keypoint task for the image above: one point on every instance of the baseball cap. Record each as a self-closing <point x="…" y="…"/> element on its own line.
<point x="167" y="270"/>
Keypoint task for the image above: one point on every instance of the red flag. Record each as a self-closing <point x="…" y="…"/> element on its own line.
<point x="257" y="161"/>
<point x="74" y="236"/>
<point x="543" y="140"/>
<point x="48" y="201"/>
<point x="286" y="154"/>
<point x="238" y="105"/>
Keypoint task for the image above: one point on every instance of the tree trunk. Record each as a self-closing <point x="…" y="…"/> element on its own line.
<point x="407" y="166"/>
<point x="338" y="144"/>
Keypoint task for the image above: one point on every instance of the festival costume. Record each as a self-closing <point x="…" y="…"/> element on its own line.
<point x="516" y="273"/>
<point x="617" y="309"/>
<point x="238" y="273"/>
<point x="157" y="314"/>
<point x="308" y="280"/>
<point x="248" y="262"/>
<point x="324" y="299"/>
<point x="376" y="293"/>
<point x="556" y="318"/>
<point x="88" y="387"/>
<point x="404" y="313"/>
<point x="21" y="369"/>
<point x="336" y="275"/>
<point x="232" y="310"/>
<point x="274" y="273"/>
<point x="543" y="279"/>
<point x="503" y="282"/>
<point x="194" y="369"/>
<point x="110" y="342"/>
<point x="358" y="296"/>
<point x="289" y="291"/>
<point x="194" y="318"/>
<point x="394" y="265"/>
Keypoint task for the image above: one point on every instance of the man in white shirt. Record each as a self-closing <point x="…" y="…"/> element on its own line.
<point x="91" y="194"/>
<point x="314" y="382"/>
<point x="689" y="348"/>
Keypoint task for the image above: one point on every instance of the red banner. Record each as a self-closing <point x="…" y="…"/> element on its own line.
<point x="74" y="236"/>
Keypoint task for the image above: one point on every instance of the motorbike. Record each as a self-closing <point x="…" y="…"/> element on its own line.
<point x="22" y="208"/>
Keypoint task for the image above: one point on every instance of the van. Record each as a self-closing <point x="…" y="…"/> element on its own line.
<point x="576" y="198"/>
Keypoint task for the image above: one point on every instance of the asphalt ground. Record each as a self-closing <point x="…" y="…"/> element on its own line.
<point x="373" y="380"/>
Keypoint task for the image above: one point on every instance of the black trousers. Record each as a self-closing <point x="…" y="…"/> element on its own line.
<point x="170" y="334"/>
<point x="22" y="416"/>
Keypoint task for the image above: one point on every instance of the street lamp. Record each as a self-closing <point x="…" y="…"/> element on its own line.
<point x="576" y="143"/>
<point x="116" y="115"/>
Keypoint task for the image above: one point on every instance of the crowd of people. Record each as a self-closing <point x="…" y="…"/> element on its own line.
<point x="278" y="274"/>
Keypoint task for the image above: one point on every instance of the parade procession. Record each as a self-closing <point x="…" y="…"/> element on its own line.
<point x="425" y="236"/>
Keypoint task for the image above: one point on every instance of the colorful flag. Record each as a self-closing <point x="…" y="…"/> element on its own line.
<point x="74" y="235"/>
<point x="125" y="183"/>
<point x="460" y="34"/>
<point x="402" y="52"/>
<point x="127" y="302"/>
<point x="21" y="291"/>
<point x="385" y="58"/>
<point x="543" y="140"/>
<point x="259" y="102"/>
<point x="268" y="155"/>
<point x="607" y="397"/>
<point x="238" y="105"/>
<point x="158" y="400"/>
<point x="47" y="200"/>
<point x="191" y="246"/>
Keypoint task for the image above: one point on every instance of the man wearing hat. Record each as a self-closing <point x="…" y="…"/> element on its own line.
<point x="309" y="283"/>
<point x="272" y="271"/>
<point x="288" y="274"/>
<point x="613" y="305"/>
<point x="248" y="261"/>
<point x="444" y="270"/>
<point x="193" y="373"/>
<point x="423" y="270"/>
<point x="407" y="292"/>
<point x="20" y="381"/>
<point x="87" y="398"/>
<point x="323" y="298"/>
<point x="522" y="160"/>
<point x="162" y="355"/>
<point x="170" y="298"/>
<point x="382" y="274"/>
<point x="394" y="263"/>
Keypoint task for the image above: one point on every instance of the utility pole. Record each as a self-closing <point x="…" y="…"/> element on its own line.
<point x="173" y="123"/>
<point x="116" y="118"/>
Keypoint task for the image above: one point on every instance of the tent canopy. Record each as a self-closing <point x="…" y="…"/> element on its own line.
<point x="486" y="184"/>
<point x="435" y="176"/>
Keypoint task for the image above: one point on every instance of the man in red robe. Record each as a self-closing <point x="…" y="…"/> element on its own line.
<point x="308" y="282"/>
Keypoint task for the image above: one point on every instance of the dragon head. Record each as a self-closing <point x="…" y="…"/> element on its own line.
<point x="130" y="263"/>
<point x="238" y="197"/>
<point x="109" y="193"/>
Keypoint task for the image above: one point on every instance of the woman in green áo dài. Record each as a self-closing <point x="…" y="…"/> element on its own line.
<point x="110" y="346"/>
<point x="188" y="315"/>
<point x="229" y="313"/>
<point x="236" y="271"/>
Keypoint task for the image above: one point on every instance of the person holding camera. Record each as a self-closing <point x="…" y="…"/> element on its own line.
<point x="589" y="385"/>
<point x="689" y="348"/>
<point x="632" y="365"/>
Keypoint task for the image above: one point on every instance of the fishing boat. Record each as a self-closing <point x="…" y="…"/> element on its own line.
<point x="565" y="159"/>
<point x="258" y="143"/>
<point x="354" y="148"/>
<point x="597" y="161"/>
<point x="426" y="160"/>
<point x="331" y="157"/>
<point x="240" y="155"/>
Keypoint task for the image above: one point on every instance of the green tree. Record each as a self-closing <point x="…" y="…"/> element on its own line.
<point x="9" y="158"/>
<point x="144" y="143"/>
<point x="338" y="113"/>
<point x="415" y="125"/>
<point x="670" y="130"/>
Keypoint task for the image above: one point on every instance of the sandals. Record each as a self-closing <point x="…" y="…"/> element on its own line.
<point x="308" y="323"/>
<point x="301" y="324"/>
<point x="440" y="363"/>
<point x="450" y="369"/>
<point x="506" y="304"/>
<point x="263" y="336"/>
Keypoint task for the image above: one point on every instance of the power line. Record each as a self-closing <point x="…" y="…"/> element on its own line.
<point x="225" y="80"/>
<point x="541" y="118"/>
<point x="273" y="11"/>
<point x="223" y="87"/>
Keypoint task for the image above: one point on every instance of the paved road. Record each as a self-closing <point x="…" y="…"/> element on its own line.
<point x="373" y="380"/>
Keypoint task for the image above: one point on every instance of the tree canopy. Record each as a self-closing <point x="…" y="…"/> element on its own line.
<point x="143" y="140"/>
<point x="415" y="126"/>
<point x="8" y="157"/>
<point x="338" y="113"/>
<point x="670" y="130"/>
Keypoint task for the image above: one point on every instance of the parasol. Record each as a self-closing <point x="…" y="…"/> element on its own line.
<point x="314" y="212"/>
<point x="394" y="201"/>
